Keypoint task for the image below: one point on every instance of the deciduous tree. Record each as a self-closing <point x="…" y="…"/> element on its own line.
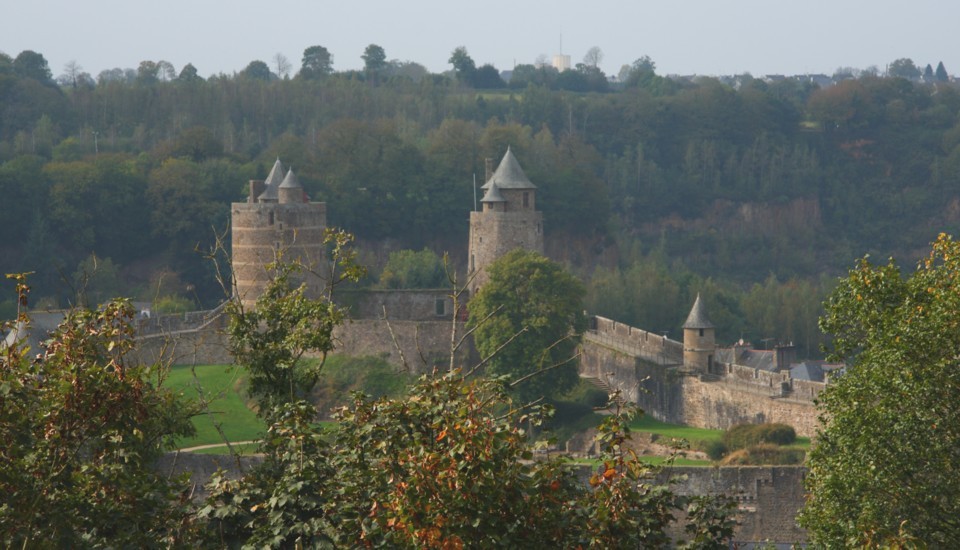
<point x="374" y="58"/>
<point x="528" y="318"/>
<point x="82" y="424"/>
<point x="884" y="470"/>
<point x="317" y="62"/>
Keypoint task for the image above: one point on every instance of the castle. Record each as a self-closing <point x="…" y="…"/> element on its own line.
<point x="691" y="382"/>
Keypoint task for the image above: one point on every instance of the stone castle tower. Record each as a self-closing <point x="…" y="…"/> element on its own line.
<point x="699" y="340"/>
<point x="277" y="218"/>
<point x="508" y="219"/>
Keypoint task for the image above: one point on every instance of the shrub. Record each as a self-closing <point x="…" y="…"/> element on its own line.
<point x="715" y="450"/>
<point x="745" y="435"/>
<point x="778" y="434"/>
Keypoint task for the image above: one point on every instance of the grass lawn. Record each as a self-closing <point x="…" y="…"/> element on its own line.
<point x="221" y="389"/>
<point x="654" y="460"/>
<point x="646" y="424"/>
<point x="696" y="436"/>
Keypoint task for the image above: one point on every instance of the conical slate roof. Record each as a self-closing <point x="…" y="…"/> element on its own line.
<point x="509" y="175"/>
<point x="272" y="183"/>
<point x="290" y="182"/>
<point x="493" y="194"/>
<point x="698" y="316"/>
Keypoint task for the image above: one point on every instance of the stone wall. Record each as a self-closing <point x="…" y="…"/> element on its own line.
<point x="201" y="467"/>
<point x="644" y="367"/>
<point x="206" y="346"/>
<point x="639" y="343"/>
<point x="412" y="304"/>
<point x="720" y="404"/>
<point x="425" y="344"/>
<point x="768" y="498"/>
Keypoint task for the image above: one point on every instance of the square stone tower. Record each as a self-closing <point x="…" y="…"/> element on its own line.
<point x="508" y="219"/>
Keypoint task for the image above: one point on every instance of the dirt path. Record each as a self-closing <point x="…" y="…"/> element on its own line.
<point x="215" y="445"/>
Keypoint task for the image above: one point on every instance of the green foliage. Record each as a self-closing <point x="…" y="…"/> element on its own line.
<point x="96" y="281"/>
<point x="317" y="63"/>
<point x="82" y="426"/>
<point x="172" y="303"/>
<point x="528" y="319"/>
<point x="270" y="340"/>
<point x="448" y="465"/>
<point x="343" y="376"/>
<point x="716" y="450"/>
<point x="410" y="269"/>
<point x="745" y="435"/>
<point x="374" y="58"/>
<point x="884" y="466"/>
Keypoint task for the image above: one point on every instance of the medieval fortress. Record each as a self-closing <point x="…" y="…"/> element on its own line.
<point x="691" y="382"/>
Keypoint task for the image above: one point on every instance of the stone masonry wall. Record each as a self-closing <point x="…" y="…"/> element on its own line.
<point x="494" y="234"/>
<point x="722" y="404"/>
<point x="640" y="364"/>
<point x="768" y="497"/>
<point x="639" y="342"/>
<point x="425" y="344"/>
<point x="411" y="305"/>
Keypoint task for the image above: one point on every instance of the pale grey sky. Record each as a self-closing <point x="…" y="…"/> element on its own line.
<point x="708" y="37"/>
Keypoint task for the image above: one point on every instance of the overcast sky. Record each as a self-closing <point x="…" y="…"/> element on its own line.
<point x="707" y="37"/>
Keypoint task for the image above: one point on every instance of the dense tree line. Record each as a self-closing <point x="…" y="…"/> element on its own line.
<point x="750" y="193"/>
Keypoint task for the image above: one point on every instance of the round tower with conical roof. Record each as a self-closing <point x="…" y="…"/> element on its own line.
<point x="699" y="340"/>
<point x="276" y="219"/>
<point x="507" y="219"/>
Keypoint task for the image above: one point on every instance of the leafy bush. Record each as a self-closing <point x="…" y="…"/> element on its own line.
<point x="746" y="435"/>
<point x="173" y="304"/>
<point x="778" y="434"/>
<point x="716" y="450"/>
<point x="410" y="269"/>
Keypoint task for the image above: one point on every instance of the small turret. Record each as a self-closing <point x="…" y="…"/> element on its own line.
<point x="492" y="200"/>
<point x="272" y="184"/>
<point x="290" y="191"/>
<point x="699" y="340"/>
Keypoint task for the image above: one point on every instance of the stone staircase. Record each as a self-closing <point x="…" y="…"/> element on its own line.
<point x="604" y="386"/>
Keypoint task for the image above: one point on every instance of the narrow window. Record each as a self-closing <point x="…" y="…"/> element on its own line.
<point x="440" y="306"/>
<point x="526" y="199"/>
<point x="270" y="218"/>
<point x="701" y="333"/>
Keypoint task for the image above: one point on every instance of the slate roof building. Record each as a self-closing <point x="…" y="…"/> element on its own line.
<point x="508" y="219"/>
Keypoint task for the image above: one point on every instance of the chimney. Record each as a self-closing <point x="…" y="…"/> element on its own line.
<point x="256" y="189"/>
<point x="784" y="356"/>
<point x="488" y="168"/>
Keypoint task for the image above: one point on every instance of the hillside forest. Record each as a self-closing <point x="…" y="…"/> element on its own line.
<point x="754" y="193"/>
